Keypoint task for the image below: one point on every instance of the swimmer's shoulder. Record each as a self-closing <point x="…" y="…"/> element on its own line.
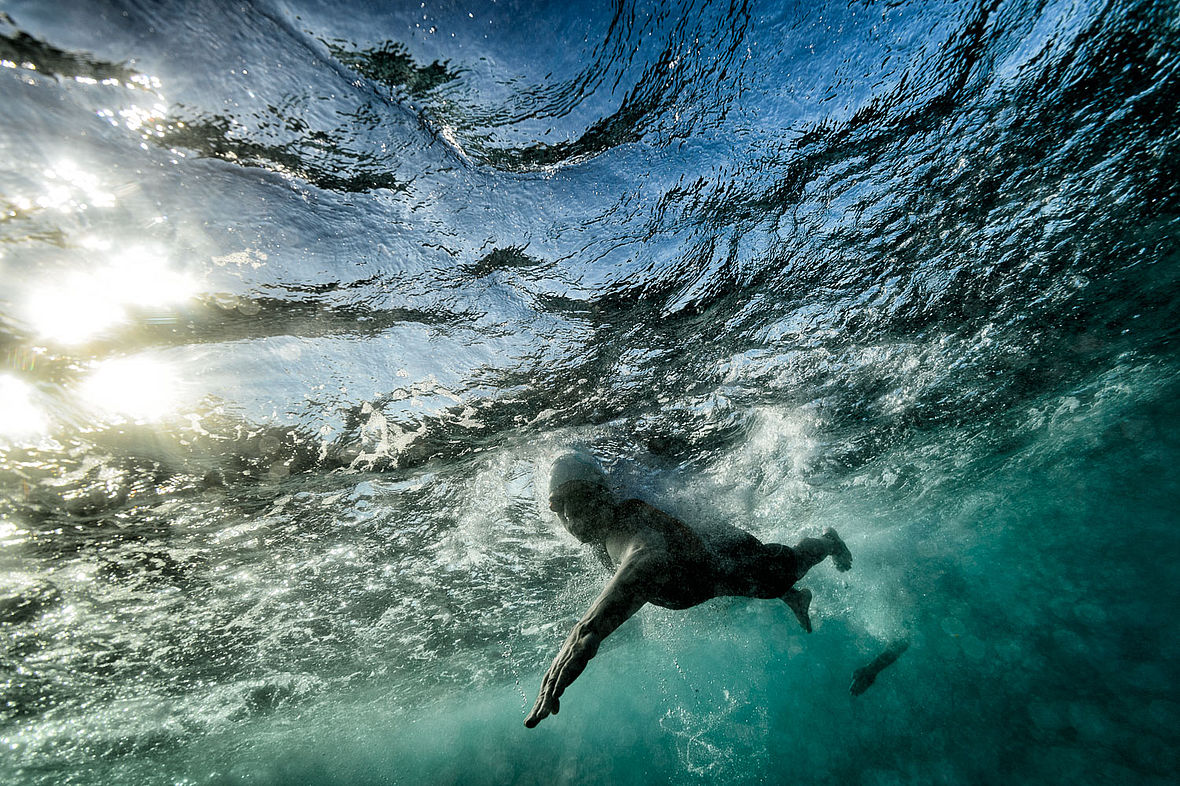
<point x="633" y="506"/>
<point x="642" y="514"/>
<point x="638" y="511"/>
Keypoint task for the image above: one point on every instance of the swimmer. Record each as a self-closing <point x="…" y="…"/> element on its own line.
<point x="658" y="559"/>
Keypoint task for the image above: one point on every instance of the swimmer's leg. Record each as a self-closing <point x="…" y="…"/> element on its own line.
<point x="799" y="601"/>
<point x="811" y="551"/>
<point x="841" y="556"/>
<point x="769" y="571"/>
<point x="765" y="570"/>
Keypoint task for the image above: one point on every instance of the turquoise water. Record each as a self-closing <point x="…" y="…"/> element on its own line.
<point x="300" y="301"/>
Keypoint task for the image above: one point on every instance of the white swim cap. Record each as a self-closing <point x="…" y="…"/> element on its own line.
<point x="575" y="466"/>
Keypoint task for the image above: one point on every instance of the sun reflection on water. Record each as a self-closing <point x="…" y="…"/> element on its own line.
<point x="19" y="415"/>
<point x="10" y="534"/>
<point x="81" y="305"/>
<point x="140" y="388"/>
<point x="70" y="187"/>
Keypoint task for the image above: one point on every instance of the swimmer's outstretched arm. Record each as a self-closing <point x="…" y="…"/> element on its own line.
<point x="622" y="596"/>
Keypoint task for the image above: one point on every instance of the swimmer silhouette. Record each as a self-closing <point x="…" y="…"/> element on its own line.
<point x="658" y="559"/>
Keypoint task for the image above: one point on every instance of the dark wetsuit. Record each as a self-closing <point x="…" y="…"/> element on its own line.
<point x="698" y="570"/>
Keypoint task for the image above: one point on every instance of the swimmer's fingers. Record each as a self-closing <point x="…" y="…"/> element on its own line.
<point x="547" y="704"/>
<point x="551" y="687"/>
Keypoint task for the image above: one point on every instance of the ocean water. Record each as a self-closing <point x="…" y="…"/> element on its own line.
<point x="300" y="300"/>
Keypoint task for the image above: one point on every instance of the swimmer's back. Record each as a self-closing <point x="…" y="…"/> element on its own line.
<point x="691" y="564"/>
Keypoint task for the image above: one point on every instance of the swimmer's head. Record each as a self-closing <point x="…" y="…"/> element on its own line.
<point x="579" y="496"/>
<point x="575" y="466"/>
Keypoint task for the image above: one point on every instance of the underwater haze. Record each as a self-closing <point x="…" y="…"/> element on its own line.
<point x="300" y="300"/>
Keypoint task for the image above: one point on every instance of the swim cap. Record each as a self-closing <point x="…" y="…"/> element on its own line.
<point x="575" y="466"/>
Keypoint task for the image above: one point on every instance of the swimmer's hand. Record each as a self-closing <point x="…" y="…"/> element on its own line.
<point x="577" y="651"/>
<point x="622" y="597"/>
<point x="547" y="704"/>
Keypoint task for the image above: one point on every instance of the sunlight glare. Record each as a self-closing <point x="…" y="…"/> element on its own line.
<point x="68" y="186"/>
<point x="84" y="304"/>
<point x="19" y="416"/>
<point x="10" y="534"/>
<point x="138" y="387"/>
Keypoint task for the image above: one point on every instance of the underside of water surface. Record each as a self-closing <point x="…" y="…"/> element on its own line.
<point x="300" y="301"/>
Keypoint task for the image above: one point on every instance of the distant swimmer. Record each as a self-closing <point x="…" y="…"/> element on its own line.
<point x="658" y="559"/>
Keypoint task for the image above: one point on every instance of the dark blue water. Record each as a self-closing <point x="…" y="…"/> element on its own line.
<point x="299" y="301"/>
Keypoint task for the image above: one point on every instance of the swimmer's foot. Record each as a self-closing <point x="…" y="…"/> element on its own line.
<point x="799" y="602"/>
<point x="841" y="556"/>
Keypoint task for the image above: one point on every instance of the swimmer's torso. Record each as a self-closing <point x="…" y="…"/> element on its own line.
<point x="691" y="574"/>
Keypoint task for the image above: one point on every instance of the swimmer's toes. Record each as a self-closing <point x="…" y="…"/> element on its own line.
<point x="841" y="556"/>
